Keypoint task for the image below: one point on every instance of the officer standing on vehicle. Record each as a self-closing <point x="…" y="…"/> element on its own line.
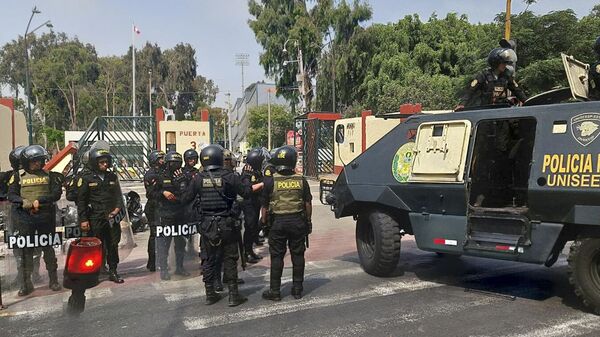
<point x="99" y="201"/>
<point x="156" y="159"/>
<point x="286" y="201"/>
<point x="34" y="193"/>
<point x="251" y="205"/>
<point x="171" y="209"/>
<point x="492" y="85"/>
<point x="217" y="189"/>
<point x="594" y="74"/>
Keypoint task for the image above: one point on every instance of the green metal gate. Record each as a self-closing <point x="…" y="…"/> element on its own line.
<point x="130" y="140"/>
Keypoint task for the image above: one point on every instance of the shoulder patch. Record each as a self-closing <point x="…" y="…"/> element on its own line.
<point x="12" y="180"/>
<point x="598" y="68"/>
<point x="474" y="83"/>
<point x="79" y="182"/>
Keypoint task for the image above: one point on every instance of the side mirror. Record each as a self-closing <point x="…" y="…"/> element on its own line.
<point x="339" y="134"/>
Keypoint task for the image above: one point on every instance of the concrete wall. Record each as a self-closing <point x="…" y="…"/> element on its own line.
<point x="21" y="136"/>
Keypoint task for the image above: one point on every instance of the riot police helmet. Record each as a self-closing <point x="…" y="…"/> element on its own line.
<point x="189" y="155"/>
<point x="211" y="157"/>
<point x="97" y="156"/>
<point x="15" y="157"/>
<point x="255" y="158"/>
<point x="173" y="160"/>
<point x="33" y="153"/>
<point x="505" y="56"/>
<point x="597" y="46"/>
<point x="155" y="156"/>
<point x="284" y="158"/>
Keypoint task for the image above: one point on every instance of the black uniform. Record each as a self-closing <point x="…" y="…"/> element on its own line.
<point x="594" y="81"/>
<point x="220" y="235"/>
<point x="48" y="187"/>
<point x="251" y="208"/>
<point x="98" y="195"/>
<point x="487" y="88"/>
<point x="170" y="213"/>
<point x="289" y="225"/>
<point x="150" y="179"/>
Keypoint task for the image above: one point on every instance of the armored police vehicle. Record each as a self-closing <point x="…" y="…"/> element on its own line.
<point x="513" y="183"/>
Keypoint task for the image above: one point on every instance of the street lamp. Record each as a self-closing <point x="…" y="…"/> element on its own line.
<point x="301" y="76"/>
<point x="48" y="24"/>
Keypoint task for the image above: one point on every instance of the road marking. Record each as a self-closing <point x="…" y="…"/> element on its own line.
<point x="203" y="322"/>
<point x="575" y="326"/>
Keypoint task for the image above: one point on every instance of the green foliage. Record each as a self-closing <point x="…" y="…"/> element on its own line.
<point x="281" y="121"/>
<point x="54" y="136"/>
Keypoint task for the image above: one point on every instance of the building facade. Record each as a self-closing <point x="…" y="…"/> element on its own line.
<point x="255" y="94"/>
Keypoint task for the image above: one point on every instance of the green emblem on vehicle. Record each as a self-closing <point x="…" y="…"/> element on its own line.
<point x="402" y="162"/>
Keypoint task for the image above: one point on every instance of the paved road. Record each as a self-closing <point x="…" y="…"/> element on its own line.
<point x="427" y="296"/>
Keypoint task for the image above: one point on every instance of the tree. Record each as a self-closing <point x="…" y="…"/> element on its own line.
<point x="67" y="68"/>
<point x="275" y="22"/>
<point x="281" y="121"/>
<point x="178" y="86"/>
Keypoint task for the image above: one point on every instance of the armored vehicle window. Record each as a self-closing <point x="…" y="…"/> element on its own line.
<point x="440" y="152"/>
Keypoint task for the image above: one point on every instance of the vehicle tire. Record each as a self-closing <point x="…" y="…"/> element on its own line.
<point x="584" y="271"/>
<point x="378" y="243"/>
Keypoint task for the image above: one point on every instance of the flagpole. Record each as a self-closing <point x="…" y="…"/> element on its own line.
<point x="134" y="112"/>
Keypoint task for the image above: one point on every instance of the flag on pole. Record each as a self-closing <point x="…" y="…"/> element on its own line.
<point x="136" y="30"/>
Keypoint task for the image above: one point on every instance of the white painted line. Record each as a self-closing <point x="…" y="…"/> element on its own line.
<point x="273" y="309"/>
<point x="574" y="326"/>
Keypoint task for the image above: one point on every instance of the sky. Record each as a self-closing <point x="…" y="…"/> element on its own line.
<point x="217" y="29"/>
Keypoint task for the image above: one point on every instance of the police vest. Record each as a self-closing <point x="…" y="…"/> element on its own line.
<point x="286" y="197"/>
<point x="213" y="199"/>
<point x="34" y="186"/>
<point x="495" y="89"/>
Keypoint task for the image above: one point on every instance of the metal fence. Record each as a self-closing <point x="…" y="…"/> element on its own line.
<point x="318" y="147"/>
<point x="130" y="140"/>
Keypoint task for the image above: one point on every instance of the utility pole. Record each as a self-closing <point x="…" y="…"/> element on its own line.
<point x="150" y="93"/>
<point x="507" y="21"/>
<point x="133" y="111"/>
<point x="229" y="118"/>
<point x="333" y="75"/>
<point x="241" y="59"/>
<point x="269" y="90"/>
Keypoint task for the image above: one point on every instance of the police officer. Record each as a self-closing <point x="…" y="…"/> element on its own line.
<point x="171" y="185"/>
<point x="491" y="86"/>
<point x="217" y="189"/>
<point x="156" y="159"/>
<point x="190" y="160"/>
<point x="287" y="207"/>
<point x="14" y="158"/>
<point x="594" y="74"/>
<point x="99" y="201"/>
<point x="251" y="205"/>
<point x="34" y="193"/>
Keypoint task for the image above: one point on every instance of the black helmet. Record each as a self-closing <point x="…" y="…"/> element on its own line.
<point x="173" y="160"/>
<point x="190" y="154"/>
<point x="502" y="55"/>
<point x="15" y="157"/>
<point x="155" y="156"/>
<point x="211" y="157"/>
<point x="31" y="153"/>
<point x="284" y="158"/>
<point x="96" y="155"/>
<point x="597" y="46"/>
<point x="255" y="158"/>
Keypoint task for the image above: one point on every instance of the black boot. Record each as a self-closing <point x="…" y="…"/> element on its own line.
<point x="76" y="303"/>
<point x="113" y="276"/>
<point x="26" y="286"/>
<point x="211" y="296"/>
<point x="297" y="292"/>
<point x="53" y="284"/>
<point x="256" y="256"/>
<point x="272" y="295"/>
<point x="218" y="283"/>
<point x="235" y="298"/>
<point x="151" y="266"/>
<point x="181" y="271"/>
<point x="164" y="274"/>
<point x="251" y="259"/>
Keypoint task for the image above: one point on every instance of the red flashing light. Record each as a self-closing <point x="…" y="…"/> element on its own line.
<point x="85" y="256"/>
